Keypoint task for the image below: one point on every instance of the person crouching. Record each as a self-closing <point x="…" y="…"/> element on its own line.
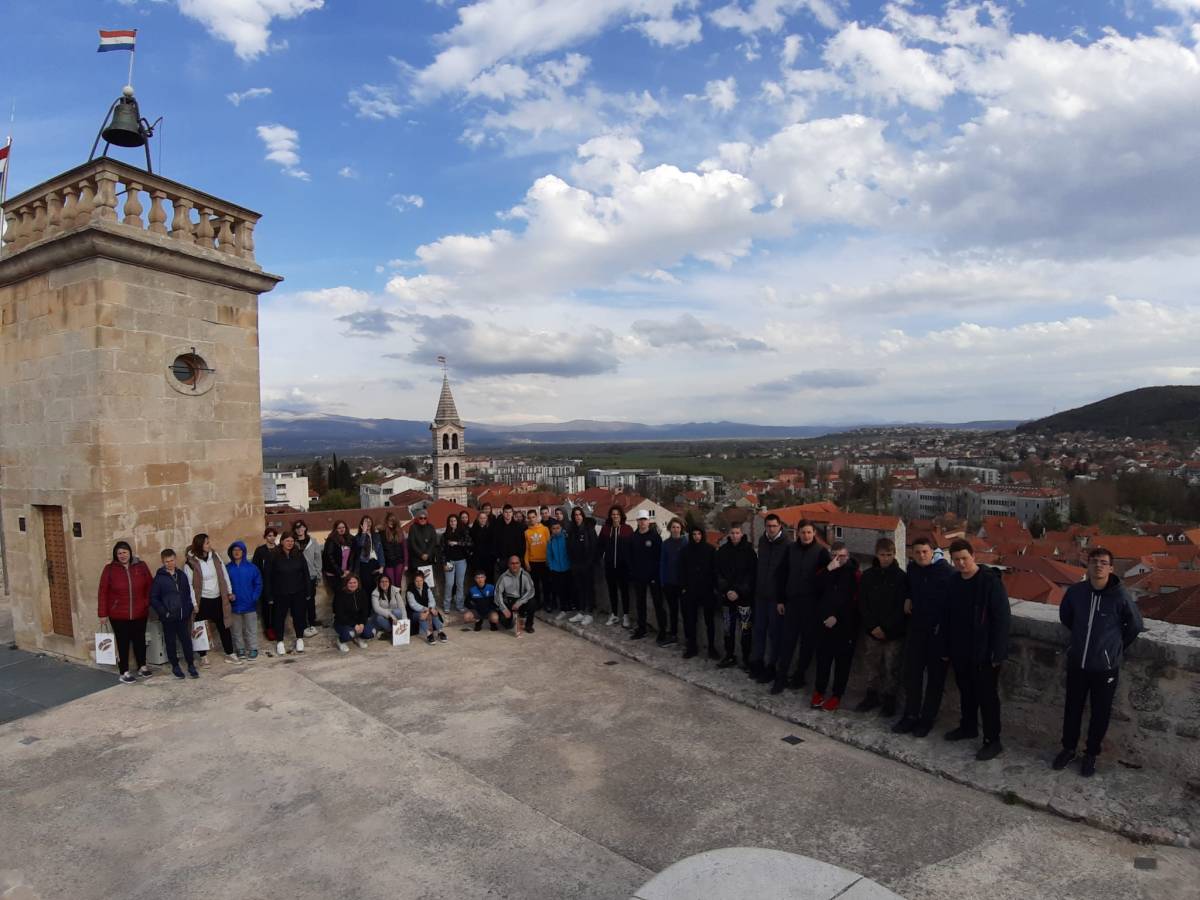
<point x="424" y="604"/>
<point x="352" y="615"/>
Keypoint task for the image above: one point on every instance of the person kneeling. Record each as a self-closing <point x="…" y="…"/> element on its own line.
<point x="352" y="615"/>
<point x="424" y="604"/>
<point x="481" y="603"/>
<point x="515" y="597"/>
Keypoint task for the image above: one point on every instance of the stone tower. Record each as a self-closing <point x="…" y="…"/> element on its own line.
<point x="130" y="400"/>
<point x="449" y="449"/>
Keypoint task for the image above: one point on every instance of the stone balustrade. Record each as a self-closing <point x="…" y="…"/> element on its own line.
<point x="107" y="191"/>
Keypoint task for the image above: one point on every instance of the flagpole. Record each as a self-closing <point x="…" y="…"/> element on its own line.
<point x="12" y="118"/>
<point x="131" y="55"/>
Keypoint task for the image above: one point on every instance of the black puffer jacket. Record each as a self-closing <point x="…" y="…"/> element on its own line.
<point x="771" y="575"/>
<point x="698" y="572"/>
<point x="839" y="598"/>
<point x="979" y="619"/>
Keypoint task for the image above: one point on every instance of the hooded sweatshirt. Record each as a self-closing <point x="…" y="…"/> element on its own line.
<point x="668" y="561"/>
<point x="645" y="550"/>
<point x="978" y="619"/>
<point x="537" y="537"/>
<point x="736" y="565"/>
<point x="556" y="553"/>
<point x="839" y="598"/>
<point x="1103" y="623"/>
<point x="244" y="580"/>
<point x="881" y="593"/>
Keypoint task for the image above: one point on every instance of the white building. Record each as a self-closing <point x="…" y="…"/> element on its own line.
<point x="290" y="488"/>
<point x="373" y="496"/>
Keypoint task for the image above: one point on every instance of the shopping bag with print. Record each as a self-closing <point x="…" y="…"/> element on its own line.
<point x="200" y="635"/>
<point x="427" y="571"/>
<point x="400" y="633"/>
<point x="106" y="649"/>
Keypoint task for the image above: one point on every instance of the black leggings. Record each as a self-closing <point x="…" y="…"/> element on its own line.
<point x="212" y="610"/>
<point x="835" y="650"/>
<point x="618" y="591"/>
<point x="126" y="632"/>
<point x="692" y="606"/>
<point x="666" y="609"/>
<point x="583" y="588"/>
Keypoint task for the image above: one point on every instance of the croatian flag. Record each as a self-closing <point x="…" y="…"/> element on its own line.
<point x="3" y="161"/>
<point x="116" y="40"/>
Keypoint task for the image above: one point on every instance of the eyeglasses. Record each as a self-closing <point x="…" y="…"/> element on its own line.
<point x="1099" y="562"/>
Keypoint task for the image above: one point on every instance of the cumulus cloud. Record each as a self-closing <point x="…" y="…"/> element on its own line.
<point x="672" y="32"/>
<point x="348" y="172"/>
<point x="245" y="23"/>
<point x="771" y="15"/>
<point x="722" y="94"/>
<point x="688" y="332"/>
<point x="237" y="97"/>
<point x="283" y="147"/>
<point x="402" y="202"/>
<point x="878" y="64"/>
<point x="340" y="299"/>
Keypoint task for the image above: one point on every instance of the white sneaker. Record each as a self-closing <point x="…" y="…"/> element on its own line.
<point x="342" y="648"/>
<point x="625" y="620"/>
<point x="280" y="650"/>
<point x="586" y="620"/>
<point x="360" y="644"/>
<point x="232" y="657"/>
<point x="299" y="645"/>
<point x="576" y="619"/>
<point x="612" y="620"/>
<point x="310" y="631"/>
<point x="560" y="617"/>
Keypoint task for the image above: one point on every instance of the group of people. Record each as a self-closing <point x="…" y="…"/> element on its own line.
<point x="786" y="606"/>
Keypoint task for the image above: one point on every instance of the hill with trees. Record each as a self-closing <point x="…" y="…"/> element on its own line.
<point x="1169" y="411"/>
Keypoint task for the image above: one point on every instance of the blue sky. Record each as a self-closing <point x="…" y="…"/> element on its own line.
<point x="665" y="210"/>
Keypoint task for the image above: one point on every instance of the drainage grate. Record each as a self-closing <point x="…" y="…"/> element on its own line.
<point x="1145" y="862"/>
<point x="793" y="739"/>
<point x="611" y="662"/>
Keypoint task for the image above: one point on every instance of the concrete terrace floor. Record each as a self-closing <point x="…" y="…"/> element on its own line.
<point x="492" y="767"/>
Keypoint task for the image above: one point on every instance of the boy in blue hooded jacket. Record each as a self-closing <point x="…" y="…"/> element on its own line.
<point x="245" y="582"/>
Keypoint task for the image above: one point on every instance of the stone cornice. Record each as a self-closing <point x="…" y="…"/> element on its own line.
<point x="111" y="240"/>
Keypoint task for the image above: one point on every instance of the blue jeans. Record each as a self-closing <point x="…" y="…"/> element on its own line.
<point x="346" y="633"/>
<point x="434" y="622"/>
<point x="384" y="624"/>
<point x="456" y="585"/>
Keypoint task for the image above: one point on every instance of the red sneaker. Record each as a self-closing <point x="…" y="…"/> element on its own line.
<point x="271" y="634"/>
<point x="817" y="699"/>
<point x="832" y="703"/>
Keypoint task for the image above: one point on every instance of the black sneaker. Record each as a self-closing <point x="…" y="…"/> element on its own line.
<point x="961" y="734"/>
<point x="777" y="688"/>
<point x="672" y="638"/>
<point x="727" y="663"/>
<point x="713" y="654"/>
<point x="479" y="625"/>
<point x="989" y="750"/>
<point x="922" y="729"/>
<point x="442" y="636"/>
<point x="1062" y="760"/>
<point x="637" y="634"/>
<point x="765" y="675"/>
<point x="176" y="671"/>
<point x="1087" y="768"/>
<point x="661" y="640"/>
<point x="494" y="626"/>
<point x="689" y="653"/>
<point x="529" y="628"/>
<point x="192" y="671"/>
<point x="430" y="639"/>
<point x="888" y="708"/>
<point x="904" y="726"/>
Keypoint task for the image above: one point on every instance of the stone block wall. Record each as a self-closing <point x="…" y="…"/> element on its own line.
<point x="93" y="420"/>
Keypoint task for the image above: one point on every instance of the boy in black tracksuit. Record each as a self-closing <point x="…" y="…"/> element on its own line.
<point x="838" y="615"/>
<point x="881" y="596"/>
<point x="1103" y="621"/>
<point x="736" y="565"/>
<point x="797" y="621"/>
<point x="978" y="644"/>
<point x="925" y="649"/>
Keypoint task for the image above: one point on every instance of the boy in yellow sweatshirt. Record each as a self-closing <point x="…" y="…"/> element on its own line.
<point x="537" y="539"/>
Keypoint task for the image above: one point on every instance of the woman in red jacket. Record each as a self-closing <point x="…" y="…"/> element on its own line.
<point x="124" y="600"/>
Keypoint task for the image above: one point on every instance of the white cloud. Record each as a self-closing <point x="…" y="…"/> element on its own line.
<point x="493" y="31"/>
<point x="501" y="82"/>
<point x="245" y="23"/>
<point x="236" y="97"/>
<point x="401" y="202"/>
<point x="878" y="65"/>
<point x="283" y="147"/>
<point x="722" y="94"/>
<point x="348" y="172"/>
<point x="771" y="15"/>
<point x="341" y="298"/>
<point x="687" y="331"/>
<point x="672" y="32"/>
<point x="374" y="101"/>
<point x="791" y="49"/>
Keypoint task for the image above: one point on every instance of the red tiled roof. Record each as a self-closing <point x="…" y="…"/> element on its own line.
<point x="1032" y="587"/>
<point x="1124" y="546"/>
<point x="1180" y="607"/>
<point x="790" y="515"/>
<point x="1053" y="571"/>
<point x="1154" y="581"/>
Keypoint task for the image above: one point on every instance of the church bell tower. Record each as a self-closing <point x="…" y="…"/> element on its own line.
<point x="449" y="448"/>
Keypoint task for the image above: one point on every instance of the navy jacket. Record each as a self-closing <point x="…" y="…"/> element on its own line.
<point x="881" y="596"/>
<point x="805" y="563"/>
<point x="736" y="567"/>
<point x="771" y="575"/>
<point x="644" y="554"/>
<point x="668" y="560"/>
<point x="1103" y="624"/>
<point x="979" y="618"/>
<point x="170" y="596"/>
<point x="929" y="590"/>
<point x="698" y="572"/>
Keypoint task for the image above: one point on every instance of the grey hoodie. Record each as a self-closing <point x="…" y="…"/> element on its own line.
<point x="509" y="586"/>
<point x="384" y="605"/>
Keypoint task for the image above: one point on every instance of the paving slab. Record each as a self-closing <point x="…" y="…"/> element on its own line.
<point x="1142" y="804"/>
<point x="493" y="767"/>
<point x="32" y="682"/>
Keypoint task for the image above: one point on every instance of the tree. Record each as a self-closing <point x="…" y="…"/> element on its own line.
<point x="345" y="481"/>
<point x="1051" y="519"/>
<point x="336" y="499"/>
<point x="1079" y="512"/>
<point x="317" y="480"/>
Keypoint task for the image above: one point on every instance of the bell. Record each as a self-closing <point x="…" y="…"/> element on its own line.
<point x="125" y="129"/>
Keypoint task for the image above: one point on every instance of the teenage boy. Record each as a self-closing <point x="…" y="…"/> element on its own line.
<point x="769" y="580"/>
<point x="510" y="538"/>
<point x="262" y="558"/>
<point x="537" y="541"/>
<point x="481" y="603"/>
<point x="881" y="595"/>
<point x="925" y="649"/>
<point x="559" y="564"/>
<point x="796" y="617"/>
<point x="736" y="563"/>
<point x="1103" y="622"/>
<point x="171" y="599"/>
<point x="978" y="645"/>
<point x="645" y="549"/>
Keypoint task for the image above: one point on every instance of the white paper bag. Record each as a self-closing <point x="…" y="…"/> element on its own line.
<point x="156" y="647"/>
<point x="106" y="649"/>
<point x="200" y="636"/>
<point x="427" y="571"/>
<point x="400" y="633"/>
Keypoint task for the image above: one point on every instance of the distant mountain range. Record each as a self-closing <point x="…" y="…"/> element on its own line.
<point x="1170" y="411"/>
<point x="320" y="432"/>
